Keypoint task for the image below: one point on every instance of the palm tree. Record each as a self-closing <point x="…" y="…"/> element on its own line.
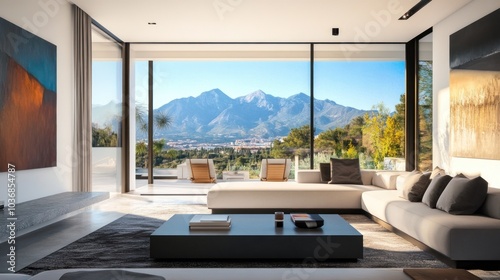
<point x="160" y="121"/>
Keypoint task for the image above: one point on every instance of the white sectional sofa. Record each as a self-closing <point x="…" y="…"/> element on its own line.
<point x="467" y="241"/>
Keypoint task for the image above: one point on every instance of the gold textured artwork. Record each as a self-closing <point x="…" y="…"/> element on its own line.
<point x="475" y="113"/>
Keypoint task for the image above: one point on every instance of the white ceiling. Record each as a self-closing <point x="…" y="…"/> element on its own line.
<point x="266" y="20"/>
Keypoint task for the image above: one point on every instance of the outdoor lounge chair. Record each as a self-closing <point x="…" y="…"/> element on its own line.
<point x="276" y="169"/>
<point x="201" y="170"/>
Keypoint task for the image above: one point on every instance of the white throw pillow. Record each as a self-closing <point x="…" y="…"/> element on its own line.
<point x="401" y="180"/>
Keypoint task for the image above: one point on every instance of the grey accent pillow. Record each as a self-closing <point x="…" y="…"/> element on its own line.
<point x="415" y="192"/>
<point x="436" y="187"/>
<point x="325" y="170"/>
<point x="463" y="196"/>
<point x="345" y="171"/>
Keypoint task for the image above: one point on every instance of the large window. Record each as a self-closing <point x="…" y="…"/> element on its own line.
<point x="235" y="104"/>
<point x="359" y="104"/>
<point x="106" y="113"/>
<point x="240" y="103"/>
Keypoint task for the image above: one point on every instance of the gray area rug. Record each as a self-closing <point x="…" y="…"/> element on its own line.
<point x="124" y="243"/>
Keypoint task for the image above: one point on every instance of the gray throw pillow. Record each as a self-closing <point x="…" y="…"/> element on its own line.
<point x="436" y="187"/>
<point x="345" y="171"/>
<point x="325" y="171"/>
<point x="415" y="192"/>
<point x="463" y="196"/>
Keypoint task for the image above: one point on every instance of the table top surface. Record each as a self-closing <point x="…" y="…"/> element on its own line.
<point x="257" y="224"/>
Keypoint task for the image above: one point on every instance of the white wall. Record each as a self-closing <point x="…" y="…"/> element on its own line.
<point x="51" y="20"/>
<point x="488" y="169"/>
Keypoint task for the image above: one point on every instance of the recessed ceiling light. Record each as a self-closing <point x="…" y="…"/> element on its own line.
<point x="414" y="9"/>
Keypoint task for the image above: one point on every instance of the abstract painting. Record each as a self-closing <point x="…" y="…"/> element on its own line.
<point x="475" y="89"/>
<point x="28" y="134"/>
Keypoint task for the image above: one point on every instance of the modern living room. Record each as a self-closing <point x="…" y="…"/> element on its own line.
<point x="234" y="52"/>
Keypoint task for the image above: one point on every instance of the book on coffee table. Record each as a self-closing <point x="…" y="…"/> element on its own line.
<point x="206" y="222"/>
<point x="303" y="220"/>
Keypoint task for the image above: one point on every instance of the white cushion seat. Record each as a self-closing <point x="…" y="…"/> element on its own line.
<point x="285" y="195"/>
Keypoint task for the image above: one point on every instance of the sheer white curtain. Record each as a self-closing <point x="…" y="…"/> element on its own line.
<point x="82" y="181"/>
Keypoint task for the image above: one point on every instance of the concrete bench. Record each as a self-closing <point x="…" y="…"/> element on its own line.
<point x="39" y="212"/>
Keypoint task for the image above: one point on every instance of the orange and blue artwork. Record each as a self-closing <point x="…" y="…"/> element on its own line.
<point x="28" y="100"/>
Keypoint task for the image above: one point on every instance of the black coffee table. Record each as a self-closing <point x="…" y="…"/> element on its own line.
<point x="254" y="236"/>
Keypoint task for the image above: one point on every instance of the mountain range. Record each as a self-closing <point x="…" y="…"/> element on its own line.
<point x="261" y="115"/>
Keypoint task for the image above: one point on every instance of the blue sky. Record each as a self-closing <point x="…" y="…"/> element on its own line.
<point x="356" y="84"/>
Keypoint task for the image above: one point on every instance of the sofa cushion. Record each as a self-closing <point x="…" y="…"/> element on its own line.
<point x="400" y="181"/>
<point x="345" y="171"/>
<point x="436" y="187"/>
<point x="326" y="172"/>
<point x="415" y="192"/>
<point x="285" y="195"/>
<point x="463" y="196"/>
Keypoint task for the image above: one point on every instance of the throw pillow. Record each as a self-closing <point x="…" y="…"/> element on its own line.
<point x="400" y="182"/>
<point x="463" y="196"/>
<point x="437" y="171"/>
<point x="325" y="170"/>
<point x="345" y="171"/>
<point x="410" y="180"/>
<point x="436" y="187"/>
<point x="415" y="192"/>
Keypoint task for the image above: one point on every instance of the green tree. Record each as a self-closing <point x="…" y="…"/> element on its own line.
<point x="279" y="150"/>
<point x="295" y="143"/>
<point x="336" y="139"/>
<point x="298" y="138"/>
<point x="355" y="128"/>
<point x="399" y="114"/>
<point x="172" y="154"/>
<point x="103" y="137"/>
<point x="160" y="121"/>
<point x="352" y="152"/>
<point x="392" y="138"/>
<point x="383" y="135"/>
